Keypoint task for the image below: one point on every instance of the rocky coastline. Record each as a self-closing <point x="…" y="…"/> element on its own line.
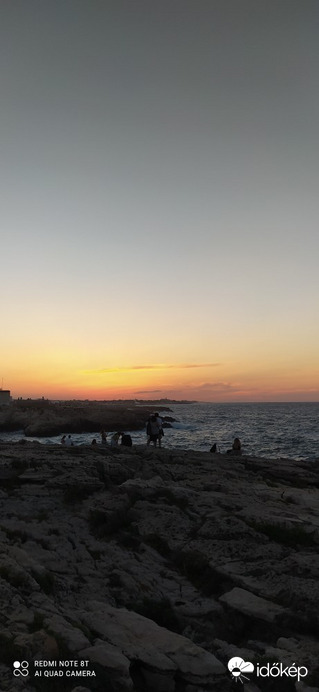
<point x="156" y="566"/>
<point x="43" y="418"/>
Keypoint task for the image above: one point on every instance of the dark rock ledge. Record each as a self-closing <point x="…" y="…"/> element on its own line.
<point x="45" y="418"/>
<point x="157" y="566"/>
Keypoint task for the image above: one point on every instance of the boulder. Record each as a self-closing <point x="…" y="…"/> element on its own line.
<point x="161" y="655"/>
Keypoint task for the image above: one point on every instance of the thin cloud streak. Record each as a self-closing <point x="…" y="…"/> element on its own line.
<point x="159" y="366"/>
<point x="218" y="386"/>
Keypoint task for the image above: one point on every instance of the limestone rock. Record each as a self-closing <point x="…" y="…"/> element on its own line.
<point x="116" y="666"/>
<point x="251" y="605"/>
<point x="156" y="564"/>
<point x="72" y="637"/>
<point x="153" y="647"/>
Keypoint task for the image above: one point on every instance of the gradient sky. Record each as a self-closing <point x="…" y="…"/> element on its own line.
<point x="159" y="199"/>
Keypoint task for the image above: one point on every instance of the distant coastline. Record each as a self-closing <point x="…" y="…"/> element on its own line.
<point x="121" y="402"/>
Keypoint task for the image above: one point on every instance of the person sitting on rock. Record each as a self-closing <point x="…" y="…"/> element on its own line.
<point x="126" y="440"/>
<point x="68" y="441"/>
<point x="63" y="440"/>
<point x="115" y="439"/>
<point x="94" y="441"/>
<point x="236" y="447"/>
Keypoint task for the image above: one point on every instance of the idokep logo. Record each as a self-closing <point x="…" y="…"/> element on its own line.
<point x="238" y="667"/>
<point x="276" y="670"/>
<point x="21" y="668"/>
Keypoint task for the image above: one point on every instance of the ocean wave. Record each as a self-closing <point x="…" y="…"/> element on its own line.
<point x="182" y="426"/>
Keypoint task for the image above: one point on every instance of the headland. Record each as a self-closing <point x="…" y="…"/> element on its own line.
<point x="44" y="418"/>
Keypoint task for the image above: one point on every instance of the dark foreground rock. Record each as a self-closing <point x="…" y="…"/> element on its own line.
<point x="155" y="567"/>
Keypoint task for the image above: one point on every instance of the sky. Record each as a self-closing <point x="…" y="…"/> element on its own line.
<point x="159" y="199"/>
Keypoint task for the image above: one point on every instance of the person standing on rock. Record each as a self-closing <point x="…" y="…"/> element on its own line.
<point x="103" y="437"/>
<point x="153" y="431"/>
<point x="159" y="422"/>
<point x="68" y="441"/>
<point x="148" y="431"/>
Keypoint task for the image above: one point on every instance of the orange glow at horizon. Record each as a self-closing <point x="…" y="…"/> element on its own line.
<point x="194" y="381"/>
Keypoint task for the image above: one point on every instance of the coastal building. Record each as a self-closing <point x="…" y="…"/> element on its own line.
<point x="5" y="397"/>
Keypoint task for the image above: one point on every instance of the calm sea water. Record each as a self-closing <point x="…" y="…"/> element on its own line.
<point x="268" y="430"/>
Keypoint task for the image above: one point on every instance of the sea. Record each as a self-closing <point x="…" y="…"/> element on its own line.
<point x="272" y="430"/>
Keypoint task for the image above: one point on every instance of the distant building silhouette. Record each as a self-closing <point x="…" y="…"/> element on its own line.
<point x="5" y="397"/>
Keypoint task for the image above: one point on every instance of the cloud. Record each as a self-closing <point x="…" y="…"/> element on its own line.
<point x="218" y="387"/>
<point x="156" y="366"/>
<point x="149" y="391"/>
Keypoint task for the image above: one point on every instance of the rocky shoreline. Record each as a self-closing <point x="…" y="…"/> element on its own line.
<point x="156" y="566"/>
<point x="46" y="418"/>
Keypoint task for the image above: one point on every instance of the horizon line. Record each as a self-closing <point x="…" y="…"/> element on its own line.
<point x="191" y="401"/>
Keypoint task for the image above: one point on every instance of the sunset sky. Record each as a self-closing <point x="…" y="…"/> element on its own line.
<point x="159" y="199"/>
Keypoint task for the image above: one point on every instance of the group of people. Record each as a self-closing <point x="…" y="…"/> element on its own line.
<point x="236" y="447"/>
<point x="154" y="430"/>
<point x="67" y="441"/>
<point x="125" y="438"/>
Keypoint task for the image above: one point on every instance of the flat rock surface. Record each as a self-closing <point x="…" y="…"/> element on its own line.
<point x="247" y="603"/>
<point x="156" y="566"/>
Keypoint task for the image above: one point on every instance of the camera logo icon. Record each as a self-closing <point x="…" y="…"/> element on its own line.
<point x="238" y="667"/>
<point x="21" y="668"/>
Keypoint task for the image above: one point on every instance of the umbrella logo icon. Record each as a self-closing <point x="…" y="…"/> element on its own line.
<point x="238" y="667"/>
